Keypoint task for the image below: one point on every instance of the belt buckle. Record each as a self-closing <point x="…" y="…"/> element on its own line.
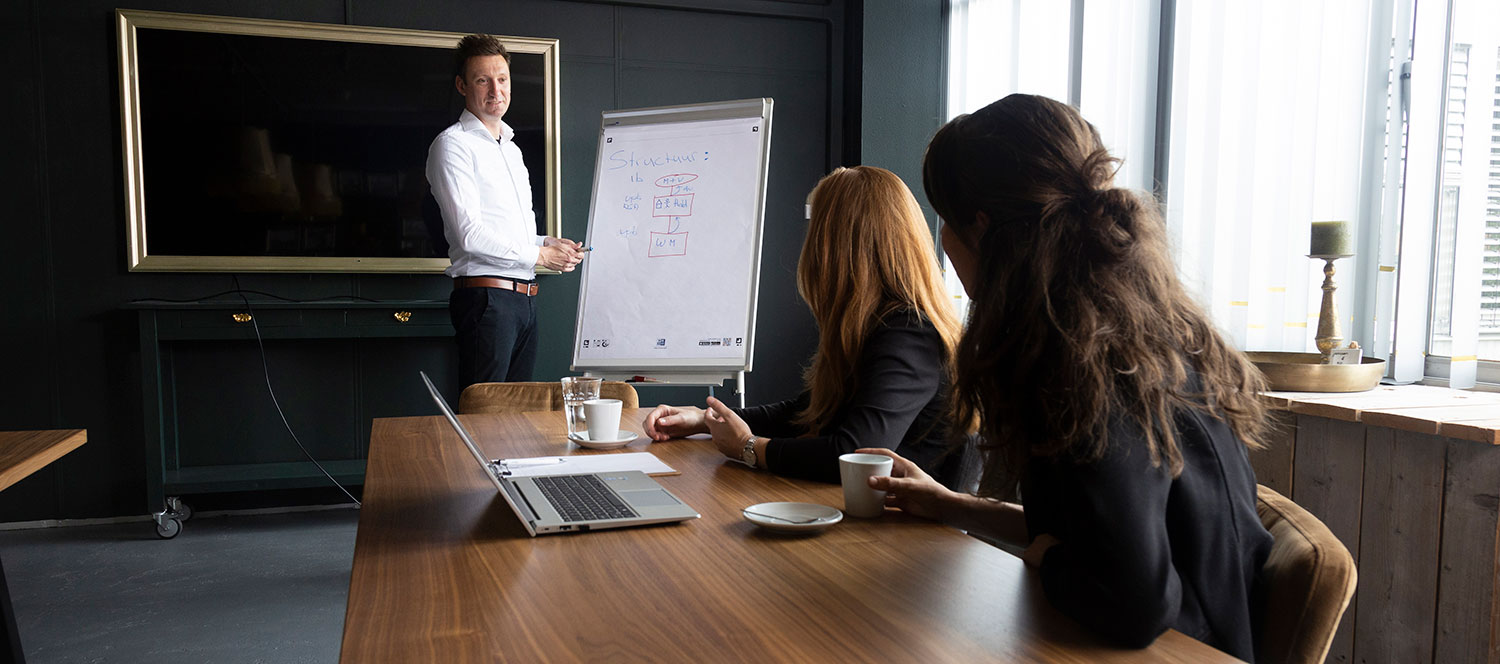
<point x="530" y="289"/>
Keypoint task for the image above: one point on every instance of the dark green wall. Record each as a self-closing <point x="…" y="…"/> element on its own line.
<point x="902" y="86"/>
<point x="71" y="349"/>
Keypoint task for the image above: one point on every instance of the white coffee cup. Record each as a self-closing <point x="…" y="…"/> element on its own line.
<point x="603" y="417"/>
<point x="855" y="471"/>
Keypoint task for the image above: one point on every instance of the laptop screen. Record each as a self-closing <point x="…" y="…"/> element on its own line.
<point x="462" y="432"/>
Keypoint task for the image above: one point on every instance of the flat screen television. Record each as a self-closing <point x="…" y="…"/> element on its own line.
<point x="274" y="146"/>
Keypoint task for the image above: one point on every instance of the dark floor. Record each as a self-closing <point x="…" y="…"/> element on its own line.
<point x="231" y="588"/>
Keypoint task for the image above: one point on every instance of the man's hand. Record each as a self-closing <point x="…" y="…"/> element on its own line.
<point x="560" y="254"/>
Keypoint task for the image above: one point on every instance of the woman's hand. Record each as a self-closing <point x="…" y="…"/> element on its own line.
<point x="909" y="488"/>
<point x="729" y="431"/>
<point x="664" y="422"/>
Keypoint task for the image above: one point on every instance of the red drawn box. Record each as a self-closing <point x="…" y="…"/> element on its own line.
<point x="667" y="244"/>
<point x="673" y="205"/>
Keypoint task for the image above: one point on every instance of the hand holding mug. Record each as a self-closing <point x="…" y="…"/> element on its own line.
<point x="909" y="488"/>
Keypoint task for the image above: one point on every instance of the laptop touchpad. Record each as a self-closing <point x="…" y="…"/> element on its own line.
<point x="650" y="498"/>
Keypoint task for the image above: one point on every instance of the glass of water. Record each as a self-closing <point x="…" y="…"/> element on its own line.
<point x="575" y="391"/>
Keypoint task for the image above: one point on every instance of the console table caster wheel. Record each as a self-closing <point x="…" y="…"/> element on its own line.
<point x="181" y="509"/>
<point x="168" y="528"/>
<point x="169" y="520"/>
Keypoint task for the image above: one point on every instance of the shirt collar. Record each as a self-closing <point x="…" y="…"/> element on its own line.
<point x="470" y="122"/>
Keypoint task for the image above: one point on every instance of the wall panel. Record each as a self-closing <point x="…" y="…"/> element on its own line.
<point x="73" y="349"/>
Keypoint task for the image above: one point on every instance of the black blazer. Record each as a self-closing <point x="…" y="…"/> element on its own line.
<point x="1142" y="551"/>
<point x="899" y="402"/>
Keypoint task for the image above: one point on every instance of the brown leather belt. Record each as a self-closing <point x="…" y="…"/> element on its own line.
<point x="493" y="282"/>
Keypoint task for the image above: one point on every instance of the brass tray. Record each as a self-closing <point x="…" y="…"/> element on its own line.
<point x="1305" y="372"/>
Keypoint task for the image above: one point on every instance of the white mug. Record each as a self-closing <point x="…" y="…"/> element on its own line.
<point x="855" y="471"/>
<point x="603" y="417"/>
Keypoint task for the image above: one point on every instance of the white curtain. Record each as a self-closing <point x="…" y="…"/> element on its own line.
<point x="1266" y="137"/>
<point x="1118" y="83"/>
<point x="1000" y="47"/>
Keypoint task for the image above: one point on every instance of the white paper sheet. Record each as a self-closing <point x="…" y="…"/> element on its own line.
<point x="645" y="462"/>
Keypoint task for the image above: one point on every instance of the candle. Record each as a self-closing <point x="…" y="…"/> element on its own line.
<point x="1331" y="238"/>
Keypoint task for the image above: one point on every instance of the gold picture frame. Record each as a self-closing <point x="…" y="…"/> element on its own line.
<point x="136" y="29"/>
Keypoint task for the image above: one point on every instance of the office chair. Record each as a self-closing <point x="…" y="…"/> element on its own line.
<point x="1309" y="579"/>
<point x="542" y="395"/>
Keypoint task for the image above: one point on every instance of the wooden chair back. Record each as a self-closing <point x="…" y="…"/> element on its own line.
<point x="540" y="395"/>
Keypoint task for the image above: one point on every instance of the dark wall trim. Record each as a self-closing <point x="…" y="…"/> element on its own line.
<point x="1164" y="99"/>
<point x="854" y="72"/>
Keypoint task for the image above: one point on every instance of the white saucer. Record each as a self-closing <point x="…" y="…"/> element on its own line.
<point x="621" y="439"/>
<point x="783" y="516"/>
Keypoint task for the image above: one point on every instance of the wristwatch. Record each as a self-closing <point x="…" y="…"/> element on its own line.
<point x="747" y="455"/>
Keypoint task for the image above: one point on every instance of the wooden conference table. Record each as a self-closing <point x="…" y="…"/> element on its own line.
<point x="21" y="454"/>
<point x="444" y="572"/>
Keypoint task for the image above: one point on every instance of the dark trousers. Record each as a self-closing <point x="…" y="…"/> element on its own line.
<point x="496" y="335"/>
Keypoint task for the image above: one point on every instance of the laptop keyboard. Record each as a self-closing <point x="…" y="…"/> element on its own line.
<point x="582" y="498"/>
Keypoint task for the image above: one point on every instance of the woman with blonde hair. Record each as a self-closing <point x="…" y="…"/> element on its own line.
<point x="1108" y="402"/>
<point x="886" y="338"/>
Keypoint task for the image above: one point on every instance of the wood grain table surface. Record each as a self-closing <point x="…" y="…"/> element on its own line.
<point x="444" y="572"/>
<point x="25" y="452"/>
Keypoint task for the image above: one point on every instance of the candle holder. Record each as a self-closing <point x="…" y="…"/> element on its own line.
<point x="1330" y="332"/>
<point x="1311" y="372"/>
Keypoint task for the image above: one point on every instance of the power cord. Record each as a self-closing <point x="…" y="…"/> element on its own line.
<point x="266" y="369"/>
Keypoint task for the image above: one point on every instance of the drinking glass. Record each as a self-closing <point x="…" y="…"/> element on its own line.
<point x="576" y="390"/>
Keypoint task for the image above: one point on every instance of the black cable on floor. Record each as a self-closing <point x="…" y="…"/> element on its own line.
<point x="266" y="369"/>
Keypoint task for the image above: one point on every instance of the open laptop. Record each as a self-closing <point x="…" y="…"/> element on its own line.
<point x="574" y="503"/>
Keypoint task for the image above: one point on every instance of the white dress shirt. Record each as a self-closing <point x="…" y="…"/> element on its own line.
<point x="482" y="187"/>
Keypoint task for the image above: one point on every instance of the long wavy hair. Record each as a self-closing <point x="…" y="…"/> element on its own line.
<point x="1077" y="318"/>
<point x="868" y="253"/>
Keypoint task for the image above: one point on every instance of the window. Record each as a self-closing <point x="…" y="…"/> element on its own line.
<point x="1252" y="120"/>
<point x="1267" y="132"/>
<point x="1463" y="342"/>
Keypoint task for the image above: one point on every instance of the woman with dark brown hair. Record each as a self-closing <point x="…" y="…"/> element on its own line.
<point x="886" y="335"/>
<point x="1107" y="401"/>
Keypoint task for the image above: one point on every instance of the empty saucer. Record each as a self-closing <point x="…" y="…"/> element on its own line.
<point x="621" y="439"/>
<point x="792" y="517"/>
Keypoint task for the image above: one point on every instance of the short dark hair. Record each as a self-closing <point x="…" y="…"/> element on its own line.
<point x="474" y="46"/>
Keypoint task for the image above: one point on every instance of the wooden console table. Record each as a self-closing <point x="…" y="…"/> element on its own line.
<point x="1408" y="478"/>
<point x="21" y="454"/>
<point x="165" y="326"/>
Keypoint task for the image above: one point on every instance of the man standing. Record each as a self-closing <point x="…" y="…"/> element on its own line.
<point x="484" y="192"/>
